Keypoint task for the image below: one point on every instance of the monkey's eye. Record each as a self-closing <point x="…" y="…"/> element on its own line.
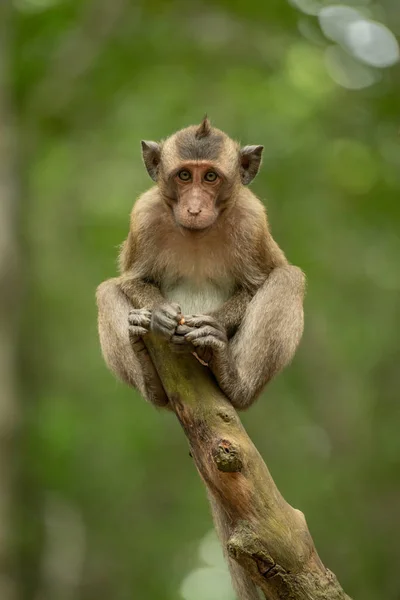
<point x="185" y="175"/>
<point x="210" y="176"/>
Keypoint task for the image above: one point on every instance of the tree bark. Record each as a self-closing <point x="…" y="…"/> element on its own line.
<point x="268" y="537"/>
<point x="9" y="313"/>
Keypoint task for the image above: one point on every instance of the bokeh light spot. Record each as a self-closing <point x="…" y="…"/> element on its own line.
<point x="372" y="42"/>
<point x="210" y="551"/>
<point x="207" y="583"/>
<point x="347" y="72"/>
<point x="334" y="21"/>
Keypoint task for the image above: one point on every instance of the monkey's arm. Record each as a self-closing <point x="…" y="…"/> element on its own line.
<point x="265" y="342"/>
<point x="142" y="294"/>
<point x="121" y="342"/>
<point x="141" y="291"/>
<point x="124" y="320"/>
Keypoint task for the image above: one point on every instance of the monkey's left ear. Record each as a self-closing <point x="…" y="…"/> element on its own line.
<point x="151" y="152"/>
<point x="250" y="160"/>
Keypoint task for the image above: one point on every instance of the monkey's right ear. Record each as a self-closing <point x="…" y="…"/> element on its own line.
<point x="151" y="152"/>
<point x="250" y="160"/>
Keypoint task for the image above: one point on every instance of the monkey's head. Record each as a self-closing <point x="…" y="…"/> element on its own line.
<point x="198" y="171"/>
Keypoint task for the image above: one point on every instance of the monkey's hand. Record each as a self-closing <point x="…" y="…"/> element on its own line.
<point x="139" y="325"/>
<point x="139" y="320"/>
<point x="202" y="334"/>
<point x="165" y="319"/>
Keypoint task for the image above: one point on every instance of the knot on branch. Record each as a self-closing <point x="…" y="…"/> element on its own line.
<point x="226" y="457"/>
<point x="226" y="416"/>
<point x="246" y="549"/>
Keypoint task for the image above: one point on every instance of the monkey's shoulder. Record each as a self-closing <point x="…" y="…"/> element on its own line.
<point x="251" y="210"/>
<point x="148" y="205"/>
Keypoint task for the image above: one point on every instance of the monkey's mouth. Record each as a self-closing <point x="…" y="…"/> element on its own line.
<point x="194" y="223"/>
<point x="194" y="228"/>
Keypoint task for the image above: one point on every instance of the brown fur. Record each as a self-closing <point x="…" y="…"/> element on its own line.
<point x="233" y="270"/>
<point x="240" y="244"/>
<point x="199" y="143"/>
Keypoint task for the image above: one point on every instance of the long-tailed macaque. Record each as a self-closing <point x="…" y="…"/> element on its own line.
<point x="199" y="247"/>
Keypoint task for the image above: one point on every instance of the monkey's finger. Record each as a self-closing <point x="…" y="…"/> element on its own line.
<point x="138" y="319"/>
<point x="162" y="320"/>
<point x="136" y="332"/>
<point x="204" y="332"/>
<point x="140" y="311"/>
<point x="172" y="310"/>
<point x="209" y="341"/>
<point x="202" y="320"/>
<point x="183" y="329"/>
<point x="176" y="307"/>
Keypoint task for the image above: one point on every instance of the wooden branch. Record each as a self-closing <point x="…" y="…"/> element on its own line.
<point x="268" y="538"/>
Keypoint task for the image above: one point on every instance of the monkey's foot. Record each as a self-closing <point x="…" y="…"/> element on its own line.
<point x="139" y="323"/>
<point x="164" y="320"/>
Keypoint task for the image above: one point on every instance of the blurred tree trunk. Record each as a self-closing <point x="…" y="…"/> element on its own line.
<point x="9" y="306"/>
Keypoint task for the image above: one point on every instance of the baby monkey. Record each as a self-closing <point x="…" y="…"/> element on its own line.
<point x="201" y="269"/>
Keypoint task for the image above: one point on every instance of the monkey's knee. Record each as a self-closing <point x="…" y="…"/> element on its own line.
<point x="243" y="400"/>
<point x="296" y="279"/>
<point x="108" y="293"/>
<point x="104" y="289"/>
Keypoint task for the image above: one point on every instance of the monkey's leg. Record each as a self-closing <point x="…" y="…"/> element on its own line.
<point x="121" y="342"/>
<point x="265" y="341"/>
<point x="231" y="313"/>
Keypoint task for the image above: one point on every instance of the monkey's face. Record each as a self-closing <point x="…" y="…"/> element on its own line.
<point x="195" y="188"/>
<point x="197" y="171"/>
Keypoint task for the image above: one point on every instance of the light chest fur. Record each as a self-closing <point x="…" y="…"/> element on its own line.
<point x="195" y="274"/>
<point x="197" y="298"/>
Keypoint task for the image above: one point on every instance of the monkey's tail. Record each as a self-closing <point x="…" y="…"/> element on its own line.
<point x="242" y="584"/>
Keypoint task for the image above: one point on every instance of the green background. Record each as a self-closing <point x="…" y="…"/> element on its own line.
<point x="107" y="501"/>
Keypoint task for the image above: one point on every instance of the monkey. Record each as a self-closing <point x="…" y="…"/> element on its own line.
<point x="200" y="269"/>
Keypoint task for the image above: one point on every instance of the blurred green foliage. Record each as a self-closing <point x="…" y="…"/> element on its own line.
<point x="112" y="505"/>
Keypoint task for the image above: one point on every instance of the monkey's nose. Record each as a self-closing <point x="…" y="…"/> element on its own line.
<point x="193" y="212"/>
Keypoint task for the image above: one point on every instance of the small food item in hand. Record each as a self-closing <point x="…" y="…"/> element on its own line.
<point x="182" y="321"/>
